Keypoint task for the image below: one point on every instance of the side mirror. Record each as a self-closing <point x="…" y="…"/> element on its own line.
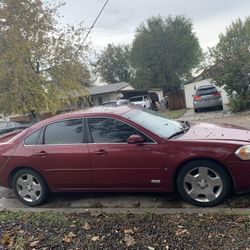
<point x="133" y="139"/>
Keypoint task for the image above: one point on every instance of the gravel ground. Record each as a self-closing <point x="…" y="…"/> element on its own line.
<point x="129" y="231"/>
<point x="215" y="116"/>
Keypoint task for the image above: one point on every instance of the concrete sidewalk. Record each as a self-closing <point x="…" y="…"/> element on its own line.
<point x="125" y="203"/>
<point x="14" y="205"/>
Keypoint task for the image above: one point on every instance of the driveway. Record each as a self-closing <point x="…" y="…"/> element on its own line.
<point x="217" y="116"/>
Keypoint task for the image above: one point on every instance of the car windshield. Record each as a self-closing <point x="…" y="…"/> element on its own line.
<point x="155" y="122"/>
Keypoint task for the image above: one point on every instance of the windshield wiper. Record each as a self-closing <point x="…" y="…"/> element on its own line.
<point x="179" y="133"/>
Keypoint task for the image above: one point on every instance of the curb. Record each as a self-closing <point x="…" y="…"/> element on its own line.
<point x="14" y="205"/>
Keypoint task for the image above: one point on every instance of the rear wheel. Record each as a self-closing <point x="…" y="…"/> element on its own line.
<point x="196" y="110"/>
<point x="29" y="187"/>
<point x="203" y="183"/>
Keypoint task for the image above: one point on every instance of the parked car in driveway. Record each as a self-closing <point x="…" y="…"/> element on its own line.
<point x="207" y="97"/>
<point x="143" y="101"/>
<point x="125" y="149"/>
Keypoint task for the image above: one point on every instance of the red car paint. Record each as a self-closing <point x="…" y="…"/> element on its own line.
<point x="124" y="167"/>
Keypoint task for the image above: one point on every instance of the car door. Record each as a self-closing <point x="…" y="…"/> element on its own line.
<point x="63" y="155"/>
<point x="119" y="165"/>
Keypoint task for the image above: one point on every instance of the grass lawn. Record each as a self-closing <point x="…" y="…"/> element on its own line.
<point x="174" y="114"/>
<point x="49" y="230"/>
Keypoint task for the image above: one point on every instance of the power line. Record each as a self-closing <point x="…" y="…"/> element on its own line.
<point x="92" y="26"/>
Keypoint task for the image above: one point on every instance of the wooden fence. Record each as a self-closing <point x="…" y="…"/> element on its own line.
<point x="176" y="100"/>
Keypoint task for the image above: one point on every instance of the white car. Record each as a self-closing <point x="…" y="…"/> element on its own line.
<point x="142" y="100"/>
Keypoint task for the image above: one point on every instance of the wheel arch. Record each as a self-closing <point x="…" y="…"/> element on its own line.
<point x="177" y="170"/>
<point x="15" y="170"/>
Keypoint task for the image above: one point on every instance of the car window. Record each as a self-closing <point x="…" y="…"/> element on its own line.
<point x="32" y="139"/>
<point x="109" y="104"/>
<point x="108" y="130"/>
<point x="136" y="99"/>
<point x="64" y="132"/>
<point x="206" y="91"/>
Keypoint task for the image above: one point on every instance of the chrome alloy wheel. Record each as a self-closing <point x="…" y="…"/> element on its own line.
<point x="29" y="188"/>
<point x="203" y="184"/>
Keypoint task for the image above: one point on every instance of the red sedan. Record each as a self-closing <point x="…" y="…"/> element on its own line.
<point x="125" y="149"/>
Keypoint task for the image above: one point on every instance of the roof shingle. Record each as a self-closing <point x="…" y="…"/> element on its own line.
<point x="107" y="88"/>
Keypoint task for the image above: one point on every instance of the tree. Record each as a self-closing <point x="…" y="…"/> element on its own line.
<point x="41" y="64"/>
<point x="232" y="63"/>
<point x="164" y="52"/>
<point x="113" y="64"/>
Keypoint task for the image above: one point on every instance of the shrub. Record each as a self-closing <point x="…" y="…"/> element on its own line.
<point x="237" y="104"/>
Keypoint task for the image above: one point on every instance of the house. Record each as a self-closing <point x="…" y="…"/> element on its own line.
<point x="106" y="93"/>
<point x="190" y="88"/>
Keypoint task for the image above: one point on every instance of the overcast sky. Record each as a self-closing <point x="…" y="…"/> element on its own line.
<point x="120" y="18"/>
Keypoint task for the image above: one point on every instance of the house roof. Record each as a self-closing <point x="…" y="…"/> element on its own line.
<point x="96" y="90"/>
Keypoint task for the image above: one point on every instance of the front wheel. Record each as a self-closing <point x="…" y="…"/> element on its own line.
<point x="29" y="187"/>
<point x="203" y="183"/>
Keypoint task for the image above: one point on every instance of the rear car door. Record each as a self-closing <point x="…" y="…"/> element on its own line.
<point x="119" y="165"/>
<point x="63" y="157"/>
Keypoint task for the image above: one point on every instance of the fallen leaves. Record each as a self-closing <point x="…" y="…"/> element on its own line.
<point x="68" y="238"/>
<point x="129" y="240"/>
<point x="151" y="248"/>
<point x="6" y="240"/>
<point x="86" y="226"/>
<point x="128" y="231"/>
<point x="34" y="243"/>
<point x="95" y="238"/>
<point x="181" y="232"/>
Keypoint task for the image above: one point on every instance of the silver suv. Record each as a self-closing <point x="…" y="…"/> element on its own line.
<point x="207" y="97"/>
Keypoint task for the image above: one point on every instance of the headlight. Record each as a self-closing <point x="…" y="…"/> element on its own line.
<point x="243" y="152"/>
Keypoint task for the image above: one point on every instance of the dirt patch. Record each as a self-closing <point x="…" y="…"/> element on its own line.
<point x="129" y="231"/>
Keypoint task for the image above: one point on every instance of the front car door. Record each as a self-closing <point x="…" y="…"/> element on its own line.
<point x="119" y="165"/>
<point x="62" y="156"/>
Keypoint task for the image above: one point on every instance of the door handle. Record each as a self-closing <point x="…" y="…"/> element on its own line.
<point x="100" y="152"/>
<point x="42" y="153"/>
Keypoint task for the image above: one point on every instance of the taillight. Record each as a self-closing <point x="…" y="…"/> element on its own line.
<point x="216" y="94"/>
<point x="197" y="97"/>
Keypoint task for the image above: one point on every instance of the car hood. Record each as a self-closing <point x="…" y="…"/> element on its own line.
<point x="223" y="132"/>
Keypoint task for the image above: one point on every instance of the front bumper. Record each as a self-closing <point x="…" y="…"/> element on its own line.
<point x="207" y="104"/>
<point x="240" y="172"/>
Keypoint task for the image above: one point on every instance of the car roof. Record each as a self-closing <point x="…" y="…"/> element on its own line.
<point x="109" y="102"/>
<point x="137" y="96"/>
<point x="100" y="110"/>
<point x="206" y="86"/>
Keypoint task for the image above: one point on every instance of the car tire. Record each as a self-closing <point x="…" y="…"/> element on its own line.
<point x="221" y="107"/>
<point x="29" y="187"/>
<point x="196" y="110"/>
<point x="203" y="183"/>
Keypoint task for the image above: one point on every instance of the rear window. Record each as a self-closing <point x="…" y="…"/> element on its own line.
<point x="32" y="139"/>
<point x="206" y="91"/>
